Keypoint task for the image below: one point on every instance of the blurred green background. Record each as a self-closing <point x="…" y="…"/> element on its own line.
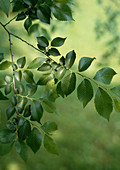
<point x="85" y="140"/>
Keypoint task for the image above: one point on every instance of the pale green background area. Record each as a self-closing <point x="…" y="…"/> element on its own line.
<point x="85" y="140"/>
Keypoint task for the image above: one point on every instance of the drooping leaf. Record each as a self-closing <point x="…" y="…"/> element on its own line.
<point x="24" y="130"/>
<point x="7" y="136"/>
<point x="21" y="62"/>
<point x="27" y="111"/>
<point x="5" y="65"/>
<point x="58" y="41"/>
<point x="85" y="92"/>
<point x="62" y="12"/>
<point x="10" y="112"/>
<point x="45" y="67"/>
<point x="116" y="90"/>
<point x="49" y="106"/>
<point x="1" y="56"/>
<point x="103" y="103"/>
<point x="105" y="75"/>
<point x="70" y="58"/>
<point x="44" y="14"/>
<point x="34" y="140"/>
<point x="42" y="41"/>
<point x="50" y="145"/>
<point x="49" y="127"/>
<point x="5" y="6"/>
<point x="21" y="16"/>
<point x="21" y="104"/>
<point x="21" y="89"/>
<point x="5" y="148"/>
<point x="54" y="52"/>
<point x="84" y="63"/>
<point x="36" y="111"/>
<point x="8" y="89"/>
<point x="60" y="73"/>
<point x="31" y="89"/>
<point x="37" y="62"/>
<point x="28" y="76"/>
<point x="62" y="61"/>
<point x="18" y="75"/>
<point x="14" y="100"/>
<point x="27" y="23"/>
<point x="59" y="90"/>
<point x="68" y="84"/>
<point x="44" y="79"/>
<point x="21" y="148"/>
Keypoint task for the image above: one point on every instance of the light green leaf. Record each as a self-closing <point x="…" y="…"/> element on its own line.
<point x="85" y="92"/>
<point x="5" y="65"/>
<point x="117" y="105"/>
<point x="84" y="63"/>
<point x="5" y="6"/>
<point x="70" y="58"/>
<point x="60" y="73"/>
<point x="103" y="103"/>
<point x="68" y="84"/>
<point x="50" y="145"/>
<point x="105" y="75"/>
<point x="34" y="140"/>
<point x="58" y="41"/>
<point x="37" y="62"/>
<point x="18" y="75"/>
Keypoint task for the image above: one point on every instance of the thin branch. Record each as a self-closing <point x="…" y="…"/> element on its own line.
<point x="10" y="21"/>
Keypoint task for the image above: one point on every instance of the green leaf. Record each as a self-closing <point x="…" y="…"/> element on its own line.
<point x="59" y="90"/>
<point x="58" y="41"/>
<point x="5" y="65"/>
<point x="44" y="79"/>
<point x="105" y="75"/>
<point x="103" y="103"/>
<point x="42" y="41"/>
<point x="24" y="130"/>
<point x="49" y="106"/>
<point x="21" y="16"/>
<point x="62" y="12"/>
<point x="5" y="148"/>
<point x="31" y="89"/>
<point x="5" y="6"/>
<point x="44" y="14"/>
<point x="1" y="56"/>
<point x="117" y="104"/>
<point x="18" y="75"/>
<point x="2" y="83"/>
<point x="8" y="79"/>
<point x="85" y="92"/>
<point x="36" y="111"/>
<point x="8" y="89"/>
<point x="21" y="62"/>
<point x="14" y="100"/>
<point x="84" y="63"/>
<point x="21" y="89"/>
<point x="45" y="67"/>
<point x="116" y="90"/>
<point x="30" y="2"/>
<point x="34" y="140"/>
<point x="7" y="136"/>
<point x="70" y="58"/>
<point x="21" y="104"/>
<point x="60" y="73"/>
<point x="50" y="145"/>
<point x="2" y="97"/>
<point x="21" y="148"/>
<point x="10" y="112"/>
<point x="68" y="84"/>
<point x="54" y="52"/>
<point x="27" y="111"/>
<point x="27" y="23"/>
<point x="49" y="127"/>
<point x="15" y="67"/>
<point x="37" y="62"/>
<point x="62" y="61"/>
<point x="28" y="76"/>
<point x="10" y="125"/>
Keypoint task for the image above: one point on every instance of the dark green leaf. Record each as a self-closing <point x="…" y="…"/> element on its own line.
<point x="8" y="89"/>
<point x="84" y="63"/>
<point x="5" y="65"/>
<point x="44" y="67"/>
<point x="34" y="140"/>
<point x="53" y="52"/>
<point x="49" y="106"/>
<point x="31" y="89"/>
<point x="1" y="56"/>
<point x="36" y="111"/>
<point x="42" y="41"/>
<point x="10" y="112"/>
<point x="21" y="62"/>
<point x="85" y="92"/>
<point x="62" y="61"/>
<point x="44" y="14"/>
<point x="21" y="148"/>
<point x="103" y="103"/>
<point x="18" y="5"/>
<point x="44" y="79"/>
<point x="24" y="130"/>
<point x="68" y="84"/>
<point x="5" y="6"/>
<point x="15" y="67"/>
<point x="2" y="97"/>
<point x="62" y="12"/>
<point x="58" y="41"/>
<point x="27" y="23"/>
<point x="50" y="145"/>
<point x="7" y="136"/>
<point x="105" y="75"/>
<point x="21" y="89"/>
<point x="30" y="2"/>
<point x="14" y="100"/>
<point x="21" y="16"/>
<point x="28" y="76"/>
<point x="10" y="125"/>
<point x="60" y="73"/>
<point x="49" y="127"/>
<point x="59" y="90"/>
<point x="70" y="58"/>
<point x="27" y="111"/>
<point x="5" y="148"/>
<point x="18" y="75"/>
<point x="37" y="62"/>
<point x="21" y="104"/>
